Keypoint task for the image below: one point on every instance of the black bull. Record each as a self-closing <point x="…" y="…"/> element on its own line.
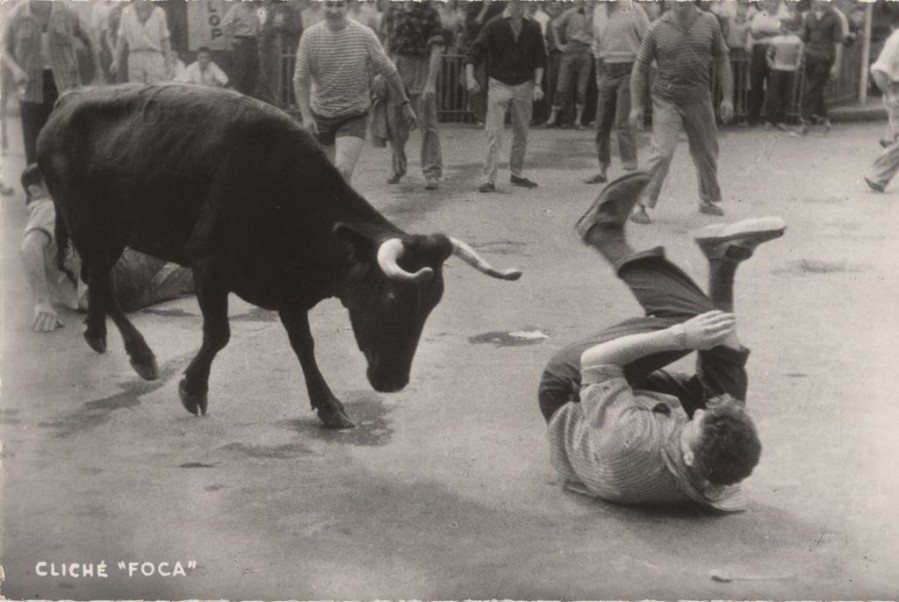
<point x="241" y="194"/>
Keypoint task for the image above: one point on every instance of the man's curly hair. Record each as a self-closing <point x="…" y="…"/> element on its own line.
<point x="729" y="447"/>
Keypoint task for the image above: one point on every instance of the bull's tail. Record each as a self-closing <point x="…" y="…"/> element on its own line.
<point x="62" y="248"/>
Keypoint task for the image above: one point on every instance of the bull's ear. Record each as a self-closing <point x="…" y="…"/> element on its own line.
<point x="362" y="244"/>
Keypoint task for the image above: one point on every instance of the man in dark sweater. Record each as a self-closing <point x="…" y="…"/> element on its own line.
<point x="822" y="35"/>
<point x="512" y="46"/>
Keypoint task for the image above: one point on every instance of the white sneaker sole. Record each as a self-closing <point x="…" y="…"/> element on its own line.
<point x="760" y="228"/>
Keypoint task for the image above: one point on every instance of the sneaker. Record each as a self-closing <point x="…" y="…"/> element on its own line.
<point x="874" y="185"/>
<point x="629" y="166"/>
<point x="523" y="182"/>
<point x="432" y="184"/>
<point x="487" y="187"/>
<point x="597" y="179"/>
<point x="579" y="126"/>
<point x="613" y="205"/>
<point x="549" y="123"/>
<point x="394" y="179"/>
<point x="710" y="209"/>
<point x="738" y="240"/>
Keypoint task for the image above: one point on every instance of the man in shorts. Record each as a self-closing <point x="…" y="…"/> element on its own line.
<point x="620" y="426"/>
<point x="336" y="62"/>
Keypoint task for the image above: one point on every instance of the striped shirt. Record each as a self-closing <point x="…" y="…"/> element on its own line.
<point x="340" y="66"/>
<point x="22" y="38"/>
<point x="624" y="446"/>
<point x="684" y="58"/>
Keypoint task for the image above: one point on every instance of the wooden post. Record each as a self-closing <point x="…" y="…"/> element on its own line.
<point x="866" y="56"/>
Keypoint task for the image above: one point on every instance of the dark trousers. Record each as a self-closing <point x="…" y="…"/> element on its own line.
<point x="668" y="296"/>
<point x="758" y="74"/>
<point x="816" y="75"/>
<point x="613" y="107"/>
<point x="245" y="65"/>
<point x="35" y="116"/>
<point x="780" y="94"/>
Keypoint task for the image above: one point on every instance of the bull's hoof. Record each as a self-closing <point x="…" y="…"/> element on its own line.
<point x="146" y="367"/>
<point x="195" y="404"/>
<point x="335" y="417"/>
<point x="96" y="342"/>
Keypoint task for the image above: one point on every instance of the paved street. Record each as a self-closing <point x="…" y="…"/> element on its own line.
<point x="444" y="491"/>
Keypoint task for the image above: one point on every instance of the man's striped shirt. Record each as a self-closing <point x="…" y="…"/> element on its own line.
<point x="340" y="66"/>
<point x="684" y="57"/>
<point x="624" y="446"/>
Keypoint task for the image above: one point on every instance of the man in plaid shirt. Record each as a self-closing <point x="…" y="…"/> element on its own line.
<point x="39" y="49"/>
<point x="620" y="427"/>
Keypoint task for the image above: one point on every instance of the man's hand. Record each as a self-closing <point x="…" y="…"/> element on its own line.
<point x="472" y="84"/>
<point x="835" y="70"/>
<point x="538" y="93"/>
<point x="709" y="329"/>
<point x="409" y="116"/>
<point x="727" y="111"/>
<point x="19" y="76"/>
<point x="636" y="119"/>
<point x="429" y="91"/>
<point x="309" y="124"/>
<point x="114" y="68"/>
<point x="45" y="318"/>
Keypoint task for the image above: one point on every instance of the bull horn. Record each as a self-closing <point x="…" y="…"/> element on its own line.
<point x="389" y="253"/>
<point x="464" y="252"/>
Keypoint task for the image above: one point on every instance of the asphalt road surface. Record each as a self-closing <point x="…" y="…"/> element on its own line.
<point x="444" y="491"/>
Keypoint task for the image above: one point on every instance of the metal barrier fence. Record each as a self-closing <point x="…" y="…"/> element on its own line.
<point x="453" y="105"/>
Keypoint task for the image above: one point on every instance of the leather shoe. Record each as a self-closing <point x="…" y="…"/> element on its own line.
<point x="711" y="209"/>
<point x="487" y="187"/>
<point x="524" y="182"/>
<point x="613" y="205"/>
<point x="596" y="179"/>
<point x="874" y="185"/>
<point x="639" y="215"/>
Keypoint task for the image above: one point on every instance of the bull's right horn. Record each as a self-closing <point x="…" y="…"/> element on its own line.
<point x="389" y="253"/>
<point x="464" y="252"/>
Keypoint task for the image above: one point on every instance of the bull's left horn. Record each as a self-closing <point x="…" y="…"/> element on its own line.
<point x="464" y="252"/>
<point x="389" y="253"/>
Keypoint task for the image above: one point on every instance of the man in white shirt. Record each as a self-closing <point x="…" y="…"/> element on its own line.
<point x="885" y="72"/>
<point x="144" y="30"/>
<point x="203" y="72"/>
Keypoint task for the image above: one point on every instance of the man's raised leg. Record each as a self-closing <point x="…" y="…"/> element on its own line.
<point x="722" y="369"/>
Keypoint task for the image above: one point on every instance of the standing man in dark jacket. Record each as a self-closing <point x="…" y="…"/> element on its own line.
<point x="513" y="47"/>
<point x="822" y="34"/>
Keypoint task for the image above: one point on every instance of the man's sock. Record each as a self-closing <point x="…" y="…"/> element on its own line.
<point x="721" y="282"/>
